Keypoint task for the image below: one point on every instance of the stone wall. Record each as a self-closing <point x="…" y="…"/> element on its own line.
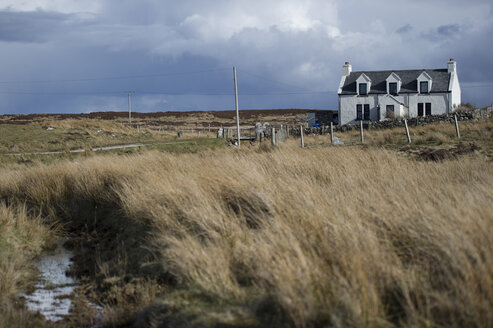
<point x="469" y="115"/>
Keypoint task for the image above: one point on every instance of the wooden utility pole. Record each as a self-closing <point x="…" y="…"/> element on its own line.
<point x="236" y="107"/>
<point x="129" y="108"/>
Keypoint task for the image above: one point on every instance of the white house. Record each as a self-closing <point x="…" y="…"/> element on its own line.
<point x="377" y="95"/>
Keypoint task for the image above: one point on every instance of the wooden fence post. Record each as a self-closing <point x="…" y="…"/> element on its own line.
<point x="457" y="126"/>
<point x="361" y="132"/>
<point x="407" y="132"/>
<point x="331" y="133"/>
<point x="301" y="134"/>
<point x="273" y="137"/>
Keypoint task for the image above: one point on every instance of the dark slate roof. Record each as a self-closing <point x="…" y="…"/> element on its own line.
<point x="440" y="81"/>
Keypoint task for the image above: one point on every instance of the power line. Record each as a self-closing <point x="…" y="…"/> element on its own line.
<point x="163" y="93"/>
<point x="116" y="77"/>
<point x="61" y="93"/>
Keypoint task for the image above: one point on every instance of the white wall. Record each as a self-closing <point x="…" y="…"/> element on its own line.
<point x="385" y="100"/>
<point x="456" y="92"/>
<point x="347" y="105"/>
<point x="439" y="103"/>
<point x="347" y="109"/>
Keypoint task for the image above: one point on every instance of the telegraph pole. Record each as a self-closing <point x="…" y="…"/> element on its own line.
<point x="236" y="107"/>
<point x="129" y="108"/>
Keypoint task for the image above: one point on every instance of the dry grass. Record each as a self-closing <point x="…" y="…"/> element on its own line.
<point x="442" y="135"/>
<point x="325" y="236"/>
<point x="22" y="238"/>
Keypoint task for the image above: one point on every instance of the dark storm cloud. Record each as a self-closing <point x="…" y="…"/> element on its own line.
<point x="278" y="46"/>
<point x="36" y="26"/>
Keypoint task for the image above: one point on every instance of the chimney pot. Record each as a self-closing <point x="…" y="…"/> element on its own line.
<point x="452" y="66"/>
<point x="346" y="69"/>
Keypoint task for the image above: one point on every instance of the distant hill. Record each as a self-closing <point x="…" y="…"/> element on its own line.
<point x="200" y="118"/>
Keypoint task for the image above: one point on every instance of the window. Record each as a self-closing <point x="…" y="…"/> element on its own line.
<point x="363" y="89"/>
<point x="393" y="88"/>
<point x="428" y="109"/>
<point x="359" y="112"/>
<point x="389" y="112"/>
<point x="420" y="109"/>
<point x="423" y="87"/>
<point x="367" y="112"/>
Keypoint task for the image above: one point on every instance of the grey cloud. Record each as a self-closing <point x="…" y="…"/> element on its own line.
<point x="36" y="26"/>
<point x="404" y="29"/>
<point x="449" y="30"/>
<point x="445" y="33"/>
<point x="128" y="38"/>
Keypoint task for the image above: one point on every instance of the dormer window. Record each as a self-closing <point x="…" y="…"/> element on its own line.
<point x="394" y="83"/>
<point x="364" y="84"/>
<point x="423" y="87"/>
<point x="424" y="83"/>
<point x="363" y="89"/>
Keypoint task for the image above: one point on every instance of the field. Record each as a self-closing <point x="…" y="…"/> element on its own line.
<point x="199" y="234"/>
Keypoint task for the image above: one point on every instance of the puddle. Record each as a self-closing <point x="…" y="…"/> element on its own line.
<point x="52" y="296"/>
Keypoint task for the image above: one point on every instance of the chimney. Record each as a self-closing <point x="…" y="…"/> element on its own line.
<point x="452" y="66"/>
<point x="346" y="69"/>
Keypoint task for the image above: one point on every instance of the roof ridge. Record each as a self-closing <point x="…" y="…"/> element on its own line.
<point x="402" y="70"/>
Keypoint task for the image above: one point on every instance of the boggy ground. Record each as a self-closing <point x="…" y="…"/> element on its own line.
<point x="259" y="237"/>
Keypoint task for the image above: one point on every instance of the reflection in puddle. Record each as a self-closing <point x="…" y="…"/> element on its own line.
<point x="52" y="296"/>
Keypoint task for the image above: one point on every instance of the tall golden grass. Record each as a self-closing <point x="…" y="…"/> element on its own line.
<point x="22" y="238"/>
<point x="328" y="236"/>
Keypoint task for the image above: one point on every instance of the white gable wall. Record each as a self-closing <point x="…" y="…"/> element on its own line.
<point x="454" y="87"/>
<point x="347" y="107"/>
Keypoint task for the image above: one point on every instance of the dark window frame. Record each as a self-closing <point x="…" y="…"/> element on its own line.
<point x="421" y="84"/>
<point x="421" y="110"/>
<point x="360" y="92"/>
<point x="390" y="111"/>
<point x="359" y="112"/>
<point x="391" y="85"/>
<point x="366" y="112"/>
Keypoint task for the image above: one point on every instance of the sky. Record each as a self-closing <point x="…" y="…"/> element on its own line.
<point x="69" y="56"/>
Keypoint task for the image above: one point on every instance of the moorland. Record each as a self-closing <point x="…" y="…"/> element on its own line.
<point x="204" y="234"/>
